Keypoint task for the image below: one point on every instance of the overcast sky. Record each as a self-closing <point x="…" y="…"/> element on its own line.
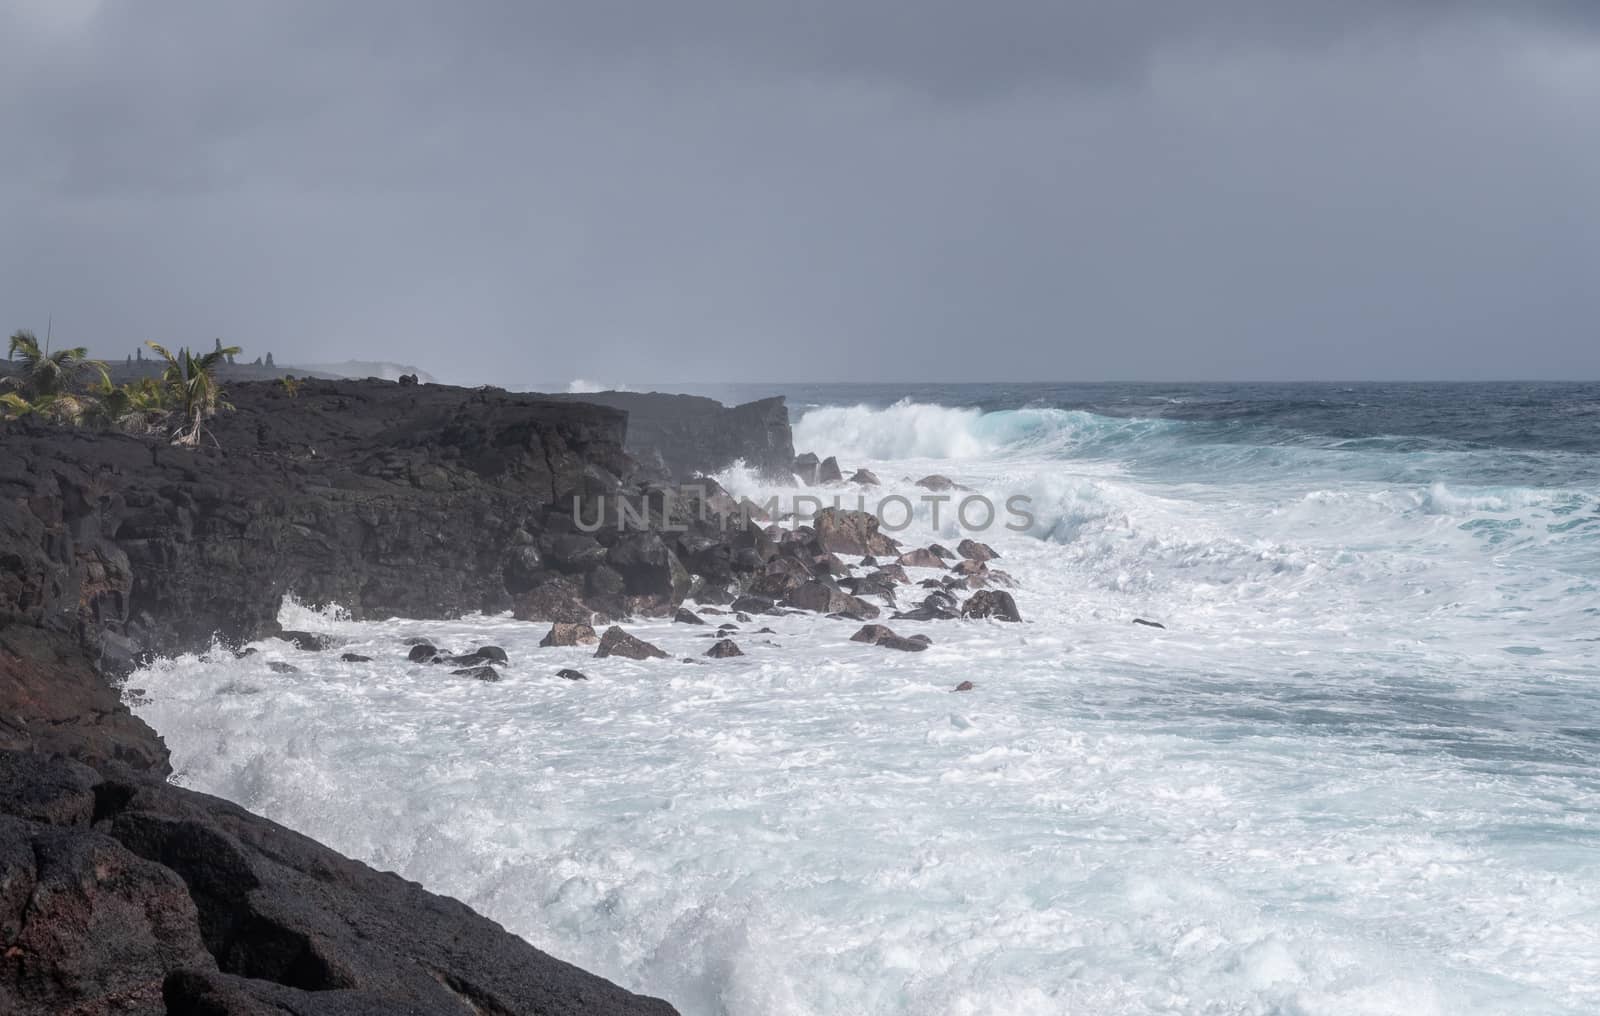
<point x="742" y="190"/>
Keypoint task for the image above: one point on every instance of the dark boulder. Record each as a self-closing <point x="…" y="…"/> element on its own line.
<point x="972" y="550"/>
<point x="752" y="605"/>
<point x="603" y="582"/>
<point x="964" y="686"/>
<point x="893" y="572"/>
<point x="686" y="616"/>
<point x="841" y="531"/>
<point x="422" y="652"/>
<point x="481" y="673"/>
<point x="568" y="674"/>
<point x="823" y="598"/>
<point x="723" y="649"/>
<point x="871" y="633"/>
<point x="939" y="550"/>
<point x="938" y="483"/>
<point x="865" y="477"/>
<point x="354" y="658"/>
<point x="995" y="603"/>
<point x="878" y="635"/>
<point x="564" y="633"/>
<point x="649" y="567"/>
<point x="616" y="642"/>
<point x="577" y="552"/>
<point x="939" y="605"/>
<point x="1148" y="624"/>
<point x="805" y="466"/>
<point x="874" y="584"/>
<point x="486" y="656"/>
<point x="921" y="557"/>
<point x="829" y="472"/>
<point x="554" y="600"/>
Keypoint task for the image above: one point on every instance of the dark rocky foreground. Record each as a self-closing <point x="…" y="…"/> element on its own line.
<point x="122" y="894"/>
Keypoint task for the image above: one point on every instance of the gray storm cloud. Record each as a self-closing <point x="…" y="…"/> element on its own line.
<point x="725" y="190"/>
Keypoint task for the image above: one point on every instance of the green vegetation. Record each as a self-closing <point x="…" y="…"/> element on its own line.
<point x="66" y="387"/>
<point x="192" y="393"/>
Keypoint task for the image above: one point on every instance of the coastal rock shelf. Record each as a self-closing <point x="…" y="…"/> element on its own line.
<point x="124" y="894"/>
<point x="390" y="500"/>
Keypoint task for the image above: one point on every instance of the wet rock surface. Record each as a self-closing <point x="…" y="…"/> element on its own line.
<point x="616" y="642"/>
<point x="121" y="894"/>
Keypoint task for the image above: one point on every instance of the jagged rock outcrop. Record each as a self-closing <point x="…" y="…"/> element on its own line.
<point x="688" y="435"/>
<point x="428" y="501"/>
<point x="122" y="894"/>
<point x="387" y="501"/>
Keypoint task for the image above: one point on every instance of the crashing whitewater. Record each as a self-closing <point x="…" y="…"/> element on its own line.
<point x="1354" y="774"/>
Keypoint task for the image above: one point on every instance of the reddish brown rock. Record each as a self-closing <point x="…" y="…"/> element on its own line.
<point x="616" y="642"/>
<point x="569" y="633"/>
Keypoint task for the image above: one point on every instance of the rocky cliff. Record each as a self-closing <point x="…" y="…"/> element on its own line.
<point x="687" y="435"/>
<point x="120" y="894"/>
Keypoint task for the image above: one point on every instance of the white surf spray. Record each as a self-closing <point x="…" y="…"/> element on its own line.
<point x="1354" y="775"/>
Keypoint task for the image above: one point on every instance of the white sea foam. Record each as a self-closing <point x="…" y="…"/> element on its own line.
<point x="582" y="386"/>
<point x="1356" y="773"/>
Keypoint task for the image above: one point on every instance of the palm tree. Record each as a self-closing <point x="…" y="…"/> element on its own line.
<point x="191" y="390"/>
<point x="44" y="374"/>
<point x="134" y="408"/>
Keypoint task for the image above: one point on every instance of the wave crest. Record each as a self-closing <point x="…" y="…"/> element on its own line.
<point x="918" y="430"/>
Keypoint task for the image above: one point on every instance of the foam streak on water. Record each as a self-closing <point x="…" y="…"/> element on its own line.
<point x="1356" y="774"/>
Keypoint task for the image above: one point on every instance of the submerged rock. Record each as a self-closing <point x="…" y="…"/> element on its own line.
<point x="724" y="649"/>
<point x="354" y="658"/>
<point x="865" y="477"/>
<point x="478" y="657"/>
<point x="937" y="483"/>
<point x="616" y="642"/>
<point x="278" y="667"/>
<point x="964" y="686"/>
<point x="686" y="616"/>
<point x="879" y="635"/>
<point x="481" y="673"/>
<point x="568" y="674"/>
<point x="1149" y="624"/>
<point x="308" y="641"/>
<point x="422" y="652"/>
